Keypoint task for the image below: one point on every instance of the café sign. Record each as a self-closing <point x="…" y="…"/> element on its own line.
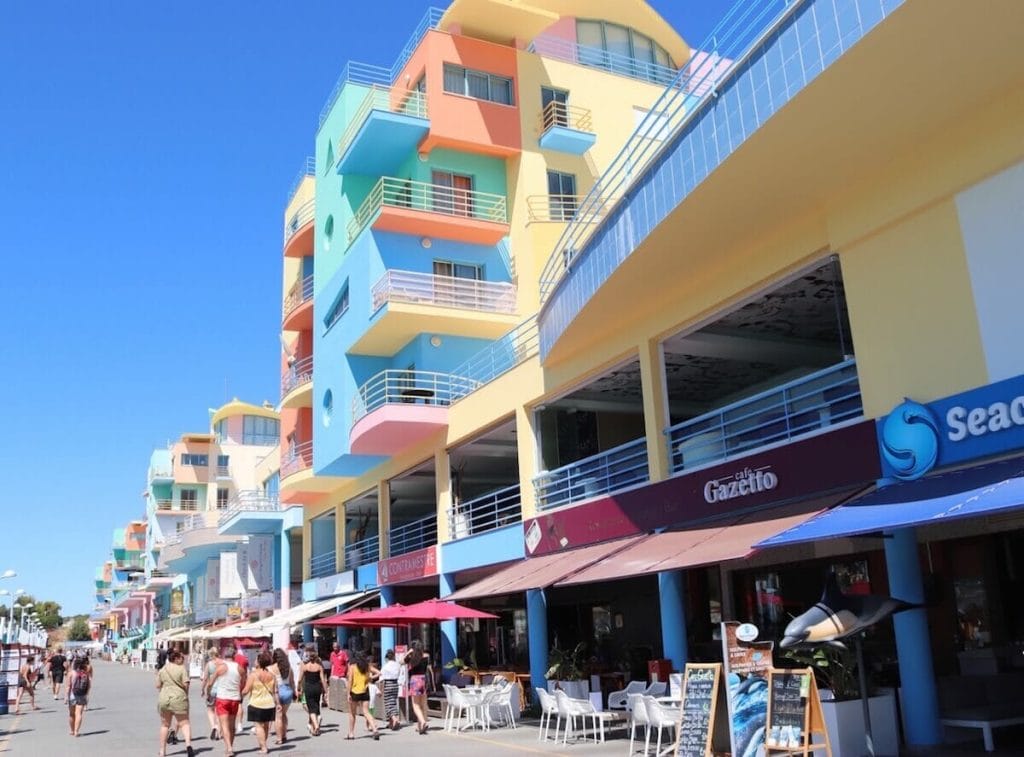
<point x="422" y="562"/>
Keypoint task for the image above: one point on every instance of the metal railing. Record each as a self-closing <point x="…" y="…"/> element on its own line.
<point x="502" y="355"/>
<point x="297" y="458"/>
<point x="367" y="74"/>
<point x="161" y="471"/>
<point x="169" y="505"/>
<point x="308" y="169"/>
<point x="409" y="102"/>
<point x="300" y="293"/>
<point x="688" y="93"/>
<point x="428" y="198"/>
<point x="608" y="471"/>
<point x="303" y="214"/>
<point x="594" y="57"/>
<point x="444" y="291"/>
<point x="323" y="564"/>
<point x="250" y="501"/>
<point x="559" y="209"/>
<point x="565" y="115"/>
<point x="412" y="536"/>
<point x="395" y="387"/>
<point x="361" y="552"/>
<point x="501" y="507"/>
<point x="297" y="374"/>
<point x="813" y="402"/>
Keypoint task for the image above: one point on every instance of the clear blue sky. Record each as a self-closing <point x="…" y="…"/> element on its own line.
<point x="146" y="150"/>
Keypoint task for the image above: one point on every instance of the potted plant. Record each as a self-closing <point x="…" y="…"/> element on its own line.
<point x="566" y="670"/>
<point x="835" y="669"/>
<point x="465" y="668"/>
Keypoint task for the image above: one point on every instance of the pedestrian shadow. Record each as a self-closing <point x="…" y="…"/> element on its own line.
<point x="94" y="733"/>
<point x="16" y="731"/>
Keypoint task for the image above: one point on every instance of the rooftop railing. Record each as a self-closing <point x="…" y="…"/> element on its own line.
<point x="409" y="102"/>
<point x="297" y="374"/>
<point x="810" y="403"/>
<point x="363" y="551"/>
<point x="502" y="355"/>
<point x="250" y="501"/>
<point x="297" y="458"/>
<point x="428" y="198"/>
<point x="300" y="293"/>
<point x="611" y="470"/>
<point x="565" y="115"/>
<point x="308" y="169"/>
<point x="367" y="74"/>
<point x="412" y="536"/>
<point x="594" y="57"/>
<point x="396" y="387"/>
<point x="303" y="214"/>
<point x="323" y="564"/>
<point x="501" y="507"/>
<point x="444" y="291"/>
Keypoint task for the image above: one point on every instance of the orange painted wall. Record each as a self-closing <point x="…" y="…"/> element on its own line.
<point x="458" y="122"/>
<point x="298" y="420"/>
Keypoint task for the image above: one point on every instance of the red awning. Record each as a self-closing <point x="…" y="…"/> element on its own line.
<point x="430" y="611"/>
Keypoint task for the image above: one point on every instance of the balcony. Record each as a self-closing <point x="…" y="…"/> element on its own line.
<point x="386" y="127"/>
<point x="565" y="128"/>
<point x="297" y="313"/>
<point x="409" y="537"/>
<point x="479" y="515"/>
<point x="614" y="469"/>
<point x="594" y="57"/>
<point x="396" y="409"/>
<point x="297" y="383"/>
<point x="323" y="564"/>
<point x="308" y="168"/>
<point x="460" y="307"/>
<point x="362" y="552"/>
<point x="161" y="474"/>
<point x="298" y="231"/>
<point x="296" y="459"/>
<point x="165" y="506"/>
<point x="197" y="539"/>
<point x="808" y="404"/>
<point x="431" y="210"/>
<point x="252" y="512"/>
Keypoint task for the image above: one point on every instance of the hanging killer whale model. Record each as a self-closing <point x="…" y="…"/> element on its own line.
<point x="839" y="615"/>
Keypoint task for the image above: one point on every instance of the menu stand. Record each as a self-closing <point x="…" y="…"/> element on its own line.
<point x="794" y="714"/>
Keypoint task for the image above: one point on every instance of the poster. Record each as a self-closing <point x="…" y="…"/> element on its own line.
<point x="746" y="675"/>
<point x="230" y="580"/>
<point x="212" y="579"/>
<point x="255" y="563"/>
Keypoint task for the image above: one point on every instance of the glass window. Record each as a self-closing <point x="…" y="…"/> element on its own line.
<point x="589" y="33"/>
<point x="223" y="460"/>
<point x="477" y="84"/>
<point x="222" y="498"/>
<point x="561" y="195"/>
<point x="260" y="431"/>
<point x="621" y="50"/>
<point x="188" y="499"/>
<point x="220" y="430"/>
<point x="617" y="40"/>
<point x="643" y="48"/>
<point x="339" y="308"/>
<point x="195" y="461"/>
<point x="272" y="485"/>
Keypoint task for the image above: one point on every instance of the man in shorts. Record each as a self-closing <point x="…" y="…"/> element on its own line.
<point x="58" y="666"/>
<point x="229" y="678"/>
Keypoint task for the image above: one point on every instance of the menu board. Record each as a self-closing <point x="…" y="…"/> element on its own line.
<point x="703" y="726"/>
<point x="787" y="709"/>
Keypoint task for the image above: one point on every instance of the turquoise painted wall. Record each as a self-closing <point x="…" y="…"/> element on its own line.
<point x="487" y="171"/>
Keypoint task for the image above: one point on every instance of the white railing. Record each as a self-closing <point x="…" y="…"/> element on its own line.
<point x="395" y="387"/>
<point x="297" y="374"/>
<point x="300" y="293"/>
<point x="428" y="198"/>
<point x="303" y="214"/>
<point x="444" y="291"/>
<point x="308" y="169"/>
<point x="161" y="471"/>
<point x="560" y="208"/>
<point x="322" y="564"/>
<point x="565" y="115"/>
<point x="409" y="102"/>
<point x="297" y="458"/>
<point x="594" y="57"/>
<point x="500" y="356"/>
<point x="364" y="551"/>
<point x="611" y="470"/>
<point x="501" y="507"/>
<point x="412" y="536"/>
<point x="169" y="505"/>
<point x="250" y="501"/>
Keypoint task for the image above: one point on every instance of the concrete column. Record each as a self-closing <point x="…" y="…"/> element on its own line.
<point x="384" y="521"/>
<point x="449" y="628"/>
<point x="387" y="635"/>
<point x="307" y="543"/>
<point x="443" y="490"/>
<point x="913" y="645"/>
<point x="526" y="444"/>
<point x="307" y="633"/>
<point x="286" y="569"/>
<point x="672" y="596"/>
<point x="537" y="636"/>
<point x="340" y="537"/>
<point x="656" y="418"/>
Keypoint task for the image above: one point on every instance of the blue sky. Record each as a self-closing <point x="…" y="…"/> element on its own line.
<point x="146" y="150"/>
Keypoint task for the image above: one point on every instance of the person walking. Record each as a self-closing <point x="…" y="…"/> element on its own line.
<point x="77" y="697"/>
<point x="261" y="686"/>
<point x="58" y="666"/>
<point x="389" y="674"/>
<point x="314" y="683"/>
<point x="282" y="671"/>
<point x="207" y="681"/>
<point x="417" y="664"/>
<point x="360" y="675"/>
<point x="229" y="680"/>
<point x="172" y="681"/>
<point x="339" y="665"/>
<point x="26" y="684"/>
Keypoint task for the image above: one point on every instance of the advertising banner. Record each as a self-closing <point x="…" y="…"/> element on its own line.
<point x="422" y="562"/>
<point x="256" y="563"/>
<point x="230" y="579"/>
<point x="746" y="675"/>
<point x="213" y="579"/>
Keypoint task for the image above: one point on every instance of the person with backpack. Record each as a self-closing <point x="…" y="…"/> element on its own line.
<point x="78" y="694"/>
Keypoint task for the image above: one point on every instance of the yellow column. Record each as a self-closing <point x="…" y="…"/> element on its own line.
<point x="443" y="487"/>
<point x="383" y="517"/>
<point x="340" y="537"/>
<point x="652" y="382"/>
<point x="526" y="443"/>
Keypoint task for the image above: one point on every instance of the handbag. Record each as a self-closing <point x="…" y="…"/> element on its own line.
<point x="285" y="693"/>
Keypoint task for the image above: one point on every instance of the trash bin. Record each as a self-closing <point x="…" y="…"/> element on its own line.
<point x="4" y="694"/>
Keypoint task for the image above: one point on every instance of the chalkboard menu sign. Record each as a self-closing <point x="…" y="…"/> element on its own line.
<point x="794" y="713"/>
<point x="703" y="725"/>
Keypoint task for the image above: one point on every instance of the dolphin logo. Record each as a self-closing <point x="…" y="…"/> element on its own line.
<point x="910" y="440"/>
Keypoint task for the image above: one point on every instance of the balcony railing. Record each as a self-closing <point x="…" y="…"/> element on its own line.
<point x="501" y="507"/>
<point x="516" y="347"/>
<point x="301" y="292"/>
<point x="560" y="208"/>
<point x="361" y="552"/>
<point x="422" y="196"/>
<point x="409" y="102"/>
<point x="249" y="500"/>
<point x="297" y="458"/>
<point x="565" y="115"/>
<point x="323" y="564"/>
<point x="308" y="169"/>
<point x="595" y="57"/>
<point x="412" y="536"/>
<point x="297" y="374"/>
<point x="393" y="387"/>
<point x="161" y="471"/>
<point x="614" y="469"/>
<point x="799" y="407"/>
<point x="168" y="505"/>
<point x="303" y="214"/>
<point x="444" y="291"/>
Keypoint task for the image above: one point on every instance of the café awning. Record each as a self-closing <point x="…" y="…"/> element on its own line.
<point x="958" y="494"/>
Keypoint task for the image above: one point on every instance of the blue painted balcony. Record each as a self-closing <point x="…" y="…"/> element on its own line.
<point x="322" y="564"/>
<point x="804" y="406"/>
<point x="385" y="129"/>
<point x="566" y="128"/>
<point x="612" y="470"/>
<point x="409" y="537"/>
<point x="498" y="508"/>
<point x="362" y="552"/>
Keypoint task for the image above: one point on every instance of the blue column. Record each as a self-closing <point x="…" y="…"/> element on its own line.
<point x="307" y="633"/>
<point x="387" y="635"/>
<point x="537" y="634"/>
<point x="449" y="628"/>
<point x="672" y="596"/>
<point x="285" y="569"/>
<point x="913" y="645"/>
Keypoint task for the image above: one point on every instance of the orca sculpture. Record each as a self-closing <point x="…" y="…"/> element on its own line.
<point x="839" y="615"/>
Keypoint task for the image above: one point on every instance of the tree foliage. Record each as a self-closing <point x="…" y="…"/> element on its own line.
<point x="47" y="610"/>
<point x="79" y="630"/>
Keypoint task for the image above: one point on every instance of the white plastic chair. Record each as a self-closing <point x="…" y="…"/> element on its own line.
<point x="638" y="716"/>
<point x="656" y="689"/>
<point x="619" y="700"/>
<point x="462" y="704"/>
<point x="502" y="700"/>
<point x="571" y="709"/>
<point x="449" y="712"/>
<point x="548" y="707"/>
<point x="658" y="717"/>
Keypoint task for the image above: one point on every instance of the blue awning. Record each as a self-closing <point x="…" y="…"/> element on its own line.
<point x="962" y="493"/>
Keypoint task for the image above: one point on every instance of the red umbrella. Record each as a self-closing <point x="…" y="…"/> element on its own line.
<point x="431" y="611"/>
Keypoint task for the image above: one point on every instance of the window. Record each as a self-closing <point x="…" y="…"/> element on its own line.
<point x="220" y="430"/>
<point x="188" y="499"/>
<point x="259" y="430"/>
<point x="452" y="193"/>
<point x="621" y="50"/>
<point x="196" y="461"/>
<point x="458" y="270"/>
<point x="272" y="485"/>
<point x="222" y="498"/>
<point x="329" y="163"/>
<point x="561" y="195"/>
<point x="554" y="105"/>
<point x="477" y="84"/>
<point x="222" y="464"/>
<point x="338" y="308"/>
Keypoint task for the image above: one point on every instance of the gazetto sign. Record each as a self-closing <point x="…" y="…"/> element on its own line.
<point x="740" y="484"/>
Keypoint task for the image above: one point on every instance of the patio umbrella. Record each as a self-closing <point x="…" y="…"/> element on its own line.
<point x="430" y="611"/>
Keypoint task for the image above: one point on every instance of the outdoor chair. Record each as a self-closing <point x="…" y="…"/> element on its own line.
<point x="548" y="707"/>
<point x="619" y="700"/>
<point x="462" y="703"/>
<point x="637" y="716"/>
<point x="571" y="710"/>
<point x="502" y="700"/>
<point x="659" y="717"/>
<point x="656" y="689"/>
